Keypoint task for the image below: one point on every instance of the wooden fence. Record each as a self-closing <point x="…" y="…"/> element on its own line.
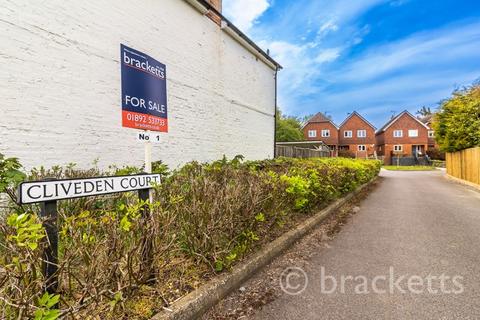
<point x="296" y="152"/>
<point x="465" y="165"/>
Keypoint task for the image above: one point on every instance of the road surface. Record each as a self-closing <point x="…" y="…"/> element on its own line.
<point x="411" y="252"/>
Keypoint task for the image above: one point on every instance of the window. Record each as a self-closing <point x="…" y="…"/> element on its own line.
<point x="361" y="133"/>
<point x="312" y="133"/>
<point x="325" y="133"/>
<point x="348" y="133"/>
<point x="398" y="148"/>
<point x="413" y="133"/>
<point x="431" y="134"/>
<point x="398" y="133"/>
<point x="362" y="148"/>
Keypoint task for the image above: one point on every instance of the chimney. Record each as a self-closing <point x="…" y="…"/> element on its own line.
<point x="217" y="4"/>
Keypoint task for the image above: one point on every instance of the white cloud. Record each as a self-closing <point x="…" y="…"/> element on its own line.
<point x="328" y="26"/>
<point x="244" y="13"/>
<point x="328" y="55"/>
<point x="418" y="70"/>
<point x="442" y="46"/>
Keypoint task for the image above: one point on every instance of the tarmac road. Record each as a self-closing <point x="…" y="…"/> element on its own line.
<point x="411" y="252"/>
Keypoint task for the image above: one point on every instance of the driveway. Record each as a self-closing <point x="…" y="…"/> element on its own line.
<point x="414" y="230"/>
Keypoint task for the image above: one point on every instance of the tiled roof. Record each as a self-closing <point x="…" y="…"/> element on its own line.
<point x="389" y="122"/>
<point x="360" y="116"/>
<point x="320" y="118"/>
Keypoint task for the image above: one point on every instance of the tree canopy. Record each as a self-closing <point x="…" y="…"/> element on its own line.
<point x="457" y="123"/>
<point x="424" y="111"/>
<point x="288" y="128"/>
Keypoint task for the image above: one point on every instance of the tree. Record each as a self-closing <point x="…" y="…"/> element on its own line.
<point x="424" y="111"/>
<point x="288" y="128"/>
<point x="457" y="123"/>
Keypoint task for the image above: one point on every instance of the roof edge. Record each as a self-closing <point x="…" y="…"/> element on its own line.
<point x="392" y="121"/>
<point x="327" y="120"/>
<point x="225" y="23"/>
<point x="360" y="116"/>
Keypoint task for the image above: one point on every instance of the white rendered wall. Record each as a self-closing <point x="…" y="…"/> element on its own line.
<point x="60" y="84"/>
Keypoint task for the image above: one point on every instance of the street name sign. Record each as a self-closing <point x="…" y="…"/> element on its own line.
<point x="144" y="91"/>
<point x="53" y="190"/>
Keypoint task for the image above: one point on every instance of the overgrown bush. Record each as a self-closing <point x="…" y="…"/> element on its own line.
<point x="205" y="218"/>
<point x="436" y="154"/>
<point x="457" y="123"/>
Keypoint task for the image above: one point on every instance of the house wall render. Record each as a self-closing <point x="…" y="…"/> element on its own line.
<point x="60" y="75"/>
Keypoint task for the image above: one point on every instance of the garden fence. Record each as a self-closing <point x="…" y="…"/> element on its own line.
<point x="465" y="165"/>
<point x="296" y="152"/>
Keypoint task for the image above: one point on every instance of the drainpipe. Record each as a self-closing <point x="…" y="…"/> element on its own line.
<point x="275" y="116"/>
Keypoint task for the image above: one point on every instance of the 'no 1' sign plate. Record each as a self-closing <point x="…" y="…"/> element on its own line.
<point x="144" y="91"/>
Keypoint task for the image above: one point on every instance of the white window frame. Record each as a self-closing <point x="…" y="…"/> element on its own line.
<point x="413" y="133"/>
<point x="431" y="133"/>
<point x="362" y="147"/>
<point x="397" y="133"/>
<point x="348" y="134"/>
<point x="363" y="135"/>
<point x="325" y="133"/>
<point x="398" y="147"/>
<point x="312" y="133"/>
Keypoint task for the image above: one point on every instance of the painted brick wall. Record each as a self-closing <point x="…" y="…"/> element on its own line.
<point x="61" y="95"/>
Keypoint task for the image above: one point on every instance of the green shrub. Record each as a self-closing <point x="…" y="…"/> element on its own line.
<point x="457" y="123"/>
<point x="205" y="218"/>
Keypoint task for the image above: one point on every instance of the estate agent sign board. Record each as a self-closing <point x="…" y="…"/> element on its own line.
<point x="53" y="190"/>
<point x="144" y="91"/>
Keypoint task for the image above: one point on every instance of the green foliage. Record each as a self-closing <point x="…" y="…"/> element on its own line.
<point x="160" y="168"/>
<point x="46" y="307"/>
<point x="457" y="124"/>
<point x="10" y="175"/>
<point x="206" y="217"/>
<point x="424" y="111"/>
<point x="288" y="128"/>
<point x="28" y="231"/>
<point x="299" y="188"/>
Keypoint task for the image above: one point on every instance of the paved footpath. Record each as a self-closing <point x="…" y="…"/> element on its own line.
<point x="415" y="224"/>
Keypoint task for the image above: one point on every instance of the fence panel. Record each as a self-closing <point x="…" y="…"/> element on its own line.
<point x="465" y="165"/>
<point x="295" y="152"/>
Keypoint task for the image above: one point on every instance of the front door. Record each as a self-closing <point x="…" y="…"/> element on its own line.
<point x="416" y="150"/>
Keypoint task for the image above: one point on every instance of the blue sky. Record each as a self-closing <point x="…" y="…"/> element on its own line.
<point x="372" y="56"/>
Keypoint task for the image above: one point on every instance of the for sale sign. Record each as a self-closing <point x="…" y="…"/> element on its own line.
<point x="144" y="91"/>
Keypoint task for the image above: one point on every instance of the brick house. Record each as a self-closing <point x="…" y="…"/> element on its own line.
<point x="356" y="136"/>
<point x="321" y="128"/>
<point x="432" y="144"/>
<point x="404" y="135"/>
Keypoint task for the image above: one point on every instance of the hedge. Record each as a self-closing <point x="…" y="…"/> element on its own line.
<point x="205" y="218"/>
